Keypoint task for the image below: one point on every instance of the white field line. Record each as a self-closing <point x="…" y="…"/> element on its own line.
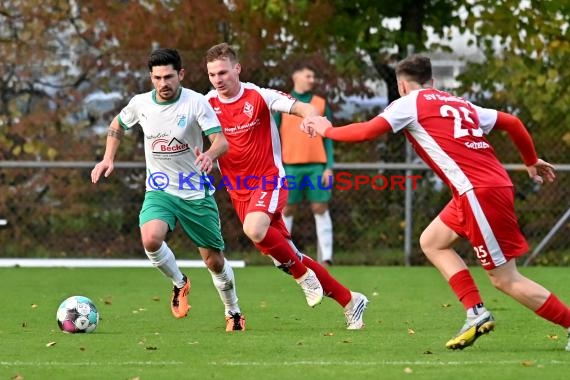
<point x="19" y="363"/>
<point x="387" y="363"/>
<point x="101" y="263"/>
<point x="416" y="363"/>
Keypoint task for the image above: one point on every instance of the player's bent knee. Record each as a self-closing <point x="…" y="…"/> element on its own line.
<point x="425" y="245"/>
<point x="254" y="234"/>
<point x="319" y="208"/>
<point x="151" y="243"/>
<point x="500" y="282"/>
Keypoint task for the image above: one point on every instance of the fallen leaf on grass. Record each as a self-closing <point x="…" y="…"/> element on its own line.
<point x="50" y="344"/>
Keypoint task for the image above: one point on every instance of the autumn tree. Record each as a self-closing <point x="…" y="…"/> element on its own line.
<point x="525" y="70"/>
<point x="56" y="54"/>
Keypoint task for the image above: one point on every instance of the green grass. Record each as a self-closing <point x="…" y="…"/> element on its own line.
<point x="411" y="315"/>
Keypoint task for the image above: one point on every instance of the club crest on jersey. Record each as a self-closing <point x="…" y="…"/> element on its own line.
<point x="181" y="121"/>
<point x="248" y="109"/>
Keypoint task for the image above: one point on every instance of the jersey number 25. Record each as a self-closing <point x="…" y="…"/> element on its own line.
<point x="461" y="115"/>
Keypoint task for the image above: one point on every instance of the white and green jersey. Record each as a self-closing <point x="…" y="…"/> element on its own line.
<point x="171" y="131"/>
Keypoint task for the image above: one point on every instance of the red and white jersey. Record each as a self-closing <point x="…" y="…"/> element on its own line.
<point x="448" y="132"/>
<point x="253" y="160"/>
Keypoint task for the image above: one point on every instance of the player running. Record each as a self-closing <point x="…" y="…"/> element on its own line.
<point x="254" y="169"/>
<point x="173" y="120"/>
<point x="448" y="132"/>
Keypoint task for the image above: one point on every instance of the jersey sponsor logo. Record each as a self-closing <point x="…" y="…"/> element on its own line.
<point x="241" y="128"/>
<point x="157" y="136"/>
<point x="477" y="145"/>
<point x="248" y="109"/>
<point x="163" y="146"/>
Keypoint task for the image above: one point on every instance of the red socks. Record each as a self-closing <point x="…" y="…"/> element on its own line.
<point x="464" y="287"/>
<point x="555" y="311"/>
<point x="332" y="288"/>
<point x="278" y="247"/>
<point x="552" y="310"/>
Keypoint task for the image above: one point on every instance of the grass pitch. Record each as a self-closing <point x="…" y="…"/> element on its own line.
<point x="411" y="315"/>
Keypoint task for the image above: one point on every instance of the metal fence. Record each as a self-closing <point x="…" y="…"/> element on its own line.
<point x="51" y="209"/>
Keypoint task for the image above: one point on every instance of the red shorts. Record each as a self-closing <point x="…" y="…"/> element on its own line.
<point x="486" y="217"/>
<point x="270" y="202"/>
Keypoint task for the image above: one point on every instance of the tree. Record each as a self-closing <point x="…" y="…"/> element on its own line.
<point x="55" y="54"/>
<point x="525" y="70"/>
<point x="346" y="38"/>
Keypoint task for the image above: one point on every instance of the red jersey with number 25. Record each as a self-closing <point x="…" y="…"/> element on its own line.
<point x="253" y="160"/>
<point x="447" y="132"/>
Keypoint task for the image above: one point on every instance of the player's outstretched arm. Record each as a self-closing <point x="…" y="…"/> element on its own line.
<point x="355" y="132"/>
<point x="538" y="170"/>
<point x="303" y="109"/>
<point x="114" y="135"/>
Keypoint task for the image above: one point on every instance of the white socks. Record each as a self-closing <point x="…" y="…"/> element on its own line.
<point x="164" y="260"/>
<point x="324" y="228"/>
<point x="475" y="311"/>
<point x="225" y="284"/>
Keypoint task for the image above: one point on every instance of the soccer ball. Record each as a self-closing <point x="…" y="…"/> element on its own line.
<point x="77" y="314"/>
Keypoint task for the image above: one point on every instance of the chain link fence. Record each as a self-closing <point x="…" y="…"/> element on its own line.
<point x="53" y="210"/>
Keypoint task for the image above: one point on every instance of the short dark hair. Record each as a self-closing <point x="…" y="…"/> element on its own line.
<point x="302" y="65"/>
<point x="416" y="68"/>
<point x="221" y="51"/>
<point x="165" y="57"/>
